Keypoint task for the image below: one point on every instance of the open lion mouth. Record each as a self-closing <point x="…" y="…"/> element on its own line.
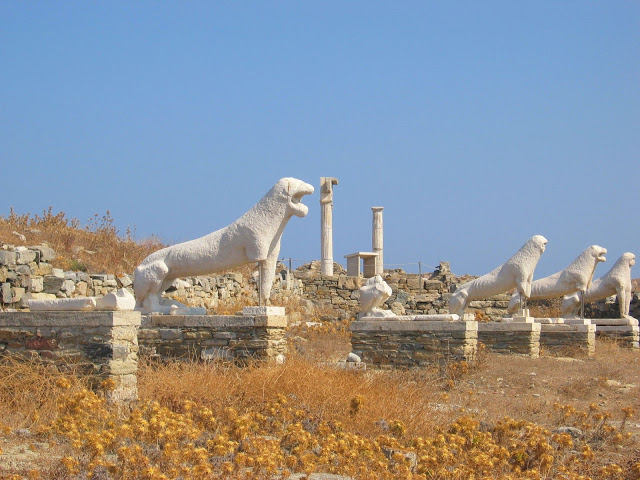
<point x="300" y="209"/>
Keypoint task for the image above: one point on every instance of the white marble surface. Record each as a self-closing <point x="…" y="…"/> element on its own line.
<point x="517" y="272"/>
<point x="254" y="237"/>
<point x="372" y="295"/>
<point x="576" y="277"/>
<point x="616" y="281"/>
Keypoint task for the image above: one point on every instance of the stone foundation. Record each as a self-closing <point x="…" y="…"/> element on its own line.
<point x="413" y="343"/>
<point x="232" y="337"/>
<point x="511" y="338"/>
<point x="101" y="344"/>
<point x="624" y="331"/>
<point x="563" y="339"/>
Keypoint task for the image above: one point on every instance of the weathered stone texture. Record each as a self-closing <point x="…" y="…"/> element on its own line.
<point x="101" y="344"/>
<point x="627" y="336"/>
<point x="408" y="344"/>
<point x="558" y="338"/>
<point x="197" y="336"/>
<point x="511" y="338"/>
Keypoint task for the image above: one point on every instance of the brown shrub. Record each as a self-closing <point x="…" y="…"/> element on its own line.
<point x="96" y="247"/>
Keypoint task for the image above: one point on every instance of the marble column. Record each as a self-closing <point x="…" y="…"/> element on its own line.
<point x="326" y="219"/>
<point x="377" y="238"/>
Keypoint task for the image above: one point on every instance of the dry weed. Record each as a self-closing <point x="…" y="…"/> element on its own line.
<point x="96" y="247"/>
<point x="210" y="420"/>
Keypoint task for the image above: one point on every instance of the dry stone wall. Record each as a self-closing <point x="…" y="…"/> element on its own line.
<point x="103" y="345"/>
<point x="413" y="343"/>
<point x="233" y="338"/>
<point x="27" y="272"/>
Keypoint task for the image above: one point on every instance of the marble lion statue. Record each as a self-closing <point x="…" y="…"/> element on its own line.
<point x="616" y="281"/>
<point x="372" y="295"/>
<point x="254" y="237"/>
<point x="576" y="277"/>
<point x="517" y="272"/>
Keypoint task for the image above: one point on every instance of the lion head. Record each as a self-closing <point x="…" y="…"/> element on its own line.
<point x="291" y="190"/>
<point x="598" y="253"/>
<point x="629" y="258"/>
<point x="540" y="242"/>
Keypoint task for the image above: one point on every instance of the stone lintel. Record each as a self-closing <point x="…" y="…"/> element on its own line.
<point x="617" y="329"/>
<point x="257" y="310"/>
<point x="509" y="327"/>
<point x="413" y="318"/>
<point x="412" y="325"/>
<point x="576" y="321"/>
<point x="563" y="327"/>
<point x="613" y="322"/>
<point x="216" y="321"/>
<point x="70" y="319"/>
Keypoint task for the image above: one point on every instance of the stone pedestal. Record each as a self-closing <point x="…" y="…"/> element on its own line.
<point x="521" y="338"/>
<point x="370" y="260"/>
<point x="263" y="310"/>
<point x="573" y="321"/>
<point x="564" y="339"/>
<point x="101" y="344"/>
<point x="522" y="316"/>
<point x="236" y="338"/>
<point x="413" y="343"/>
<point x="624" y="331"/>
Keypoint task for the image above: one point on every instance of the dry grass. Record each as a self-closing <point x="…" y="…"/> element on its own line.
<point x="545" y="308"/>
<point x="96" y="247"/>
<point x="217" y="420"/>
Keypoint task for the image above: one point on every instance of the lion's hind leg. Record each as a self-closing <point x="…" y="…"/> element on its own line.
<point x="148" y="283"/>
<point x="570" y="305"/>
<point x="458" y="302"/>
<point x="624" y="299"/>
<point x="514" y="303"/>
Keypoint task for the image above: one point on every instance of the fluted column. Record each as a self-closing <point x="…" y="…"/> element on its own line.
<point x="376" y="238"/>
<point x="326" y="219"/>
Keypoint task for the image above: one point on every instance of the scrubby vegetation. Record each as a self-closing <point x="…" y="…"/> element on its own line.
<point x="497" y="418"/>
<point x="95" y="247"/>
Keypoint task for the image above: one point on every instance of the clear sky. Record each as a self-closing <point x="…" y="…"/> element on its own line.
<point x="475" y="124"/>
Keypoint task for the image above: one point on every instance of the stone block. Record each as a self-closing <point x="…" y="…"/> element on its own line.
<point x="627" y="336"/>
<point x="81" y="289"/>
<point x="253" y="311"/>
<point x="57" y="272"/>
<point x="511" y="338"/>
<point x="36" y="284"/>
<point x="62" y="304"/>
<point x="68" y="286"/>
<point x="170" y="334"/>
<point x="52" y="283"/>
<point x="42" y="269"/>
<point x="561" y="337"/>
<point x="124" y="280"/>
<point x="236" y="277"/>
<point x="46" y="254"/>
<point x="120" y="300"/>
<point x="8" y="258"/>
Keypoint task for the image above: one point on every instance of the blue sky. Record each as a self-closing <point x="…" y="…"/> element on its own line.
<point x="475" y="124"/>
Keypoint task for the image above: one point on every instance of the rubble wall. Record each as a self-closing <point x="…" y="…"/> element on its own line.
<point x="27" y="272"/>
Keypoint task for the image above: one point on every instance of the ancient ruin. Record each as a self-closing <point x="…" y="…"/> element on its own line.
<point x="377" y="241"/>
<point x="576" y="277"/>
<point x="372" y="295"/>
<point x="254" y="237"/>
<point x="326" y="224"/>
<point x="616" y="281"/>
<point x="517" y="272"/>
